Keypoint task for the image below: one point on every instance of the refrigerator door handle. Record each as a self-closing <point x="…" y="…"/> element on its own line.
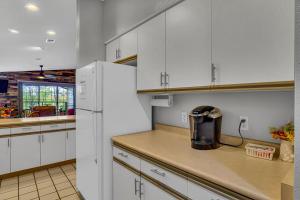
<point x="95" y="136"/>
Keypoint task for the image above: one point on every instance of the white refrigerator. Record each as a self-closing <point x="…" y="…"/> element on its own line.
<point x="106" y="105"/>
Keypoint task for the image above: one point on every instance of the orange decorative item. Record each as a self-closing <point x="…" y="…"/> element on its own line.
<point x="286" y="134"/>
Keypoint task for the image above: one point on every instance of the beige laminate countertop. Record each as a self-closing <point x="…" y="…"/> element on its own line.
<point x="36" y="121"/>
<point x="227" y="166"/>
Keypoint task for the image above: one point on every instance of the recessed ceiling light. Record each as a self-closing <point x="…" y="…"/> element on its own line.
<point x="35" y="48"/>
<point x="50" y="32"/>
<point x="32" y="7"/>
<point x="13" y="31"/>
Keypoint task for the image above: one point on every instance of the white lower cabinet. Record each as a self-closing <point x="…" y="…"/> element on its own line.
<point x="25" y="152"/>
<point x="125" y="183"/>
<point x="152" y="192"/>
<point x="70" y="145"/>
<point x="53" y="147"/>
<point x="196" y="192"/>
<point x="4" y="155"/>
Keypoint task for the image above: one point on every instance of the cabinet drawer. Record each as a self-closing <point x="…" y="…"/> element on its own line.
<point x="25" y="129"/>
<point x="196" y="192"/>
<point x="51" y="127"/>
<point x="128" y="158"/>
<point x="166" y="177"/>
<point x="70" y="125"/>
<point x="4" y="131"/>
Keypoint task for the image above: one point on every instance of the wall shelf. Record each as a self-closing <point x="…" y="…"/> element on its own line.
<point x="261" y="86"/>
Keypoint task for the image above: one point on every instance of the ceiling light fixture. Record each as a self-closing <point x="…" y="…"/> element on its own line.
<point x="41" y="76"/>
<point x="32" y="7"/>
<point x="51" y="32"/>
<point x="13" y="31"/>
<point x="35" y="48"/>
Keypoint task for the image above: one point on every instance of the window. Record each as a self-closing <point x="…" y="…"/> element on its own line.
<point x="47" y="94"/>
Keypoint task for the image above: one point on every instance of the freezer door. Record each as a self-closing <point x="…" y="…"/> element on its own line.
<point x="89" y="87"/>
<point x="88" y="164"/>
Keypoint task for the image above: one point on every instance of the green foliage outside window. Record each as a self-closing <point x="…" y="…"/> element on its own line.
<point x="60" y="96"/>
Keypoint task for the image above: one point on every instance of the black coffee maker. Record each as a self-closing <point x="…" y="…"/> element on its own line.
<point x="205" y="126"/>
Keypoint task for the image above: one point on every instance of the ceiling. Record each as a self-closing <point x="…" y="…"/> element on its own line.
<point x="16" y="53"/>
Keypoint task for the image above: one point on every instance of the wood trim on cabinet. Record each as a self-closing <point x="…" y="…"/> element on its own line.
<point x="126" y="60"/>
<point x="37" y="123"/>
<point x="26" y="171"/>
<point x="125" y="165"/>
<point x="196" y="179"/>
<point x="164" y="187"/>
<point x="260" y="86"/>
<point x="39" y="132"/>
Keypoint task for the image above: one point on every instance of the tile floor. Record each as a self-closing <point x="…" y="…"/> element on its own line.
<point x="57" y="183"/>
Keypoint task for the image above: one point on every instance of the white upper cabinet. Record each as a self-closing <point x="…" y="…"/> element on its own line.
<point x="253" y="40"/>
<point x="53" y="147"/>
<point x="152" y="53"/>
<point x="25" y="152"/>
<point x="112" y="51"/>
<point x="128" y="44"/>
<point x="188" y="44"/>
<point x="123" y="47"/>
<point x="4" y="155"/>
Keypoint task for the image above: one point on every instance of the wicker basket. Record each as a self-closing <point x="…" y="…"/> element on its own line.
<point x="260" y="151"/>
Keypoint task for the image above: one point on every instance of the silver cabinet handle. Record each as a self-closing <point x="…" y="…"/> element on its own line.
<point x="67" y="135"/>
<point x="213" y="73"/>
<point x="156" y="171"/>
<point x="141" y="193"/>
<point x="54" y="126"/>
<point x="8" y="142"/>
<point x="26" y="128"/>
<point x="39" y="139"/>
<point x="116" y="53"/>
<point x="119" y="53"/>
<point x="167" y="77"/>
<point x="42" y="138"/>
<point x="135" y="188"/>
<point x="123" y="155"/>
<point x="162" y="79"/>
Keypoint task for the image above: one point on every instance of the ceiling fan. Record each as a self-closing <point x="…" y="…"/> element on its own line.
<point x="42" y="75"/>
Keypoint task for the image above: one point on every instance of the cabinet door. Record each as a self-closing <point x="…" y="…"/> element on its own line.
<point x="188" y="44"/>
<point x="128" y="44"/>
<point x="112" y="50"/>
<point x="196" y="192"/>
<point x="70" y="145"/>
<point x="25" y="152"/>
<point x="151" y="53"/>
<point x="53" y="147"/>
<point x="253" y="41"/>
<point x="4" y="155"/>
<point x="152" y="192"/>
<point x="125" y="183"/>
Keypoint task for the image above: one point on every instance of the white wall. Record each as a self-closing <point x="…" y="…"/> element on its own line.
<point x="264" y="109"/>
<point x="119" y="15"/>
<point x="90" y="43"/>
<point x="297" y="103"/>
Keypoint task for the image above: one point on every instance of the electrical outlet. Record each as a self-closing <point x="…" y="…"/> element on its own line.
<point x="245" y="125"/>
<point x="184" y="117"/>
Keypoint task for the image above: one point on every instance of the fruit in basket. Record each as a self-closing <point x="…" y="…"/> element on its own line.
<point x="285" y="132"/>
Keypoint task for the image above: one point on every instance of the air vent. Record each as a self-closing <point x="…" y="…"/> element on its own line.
<point x="50" y="41"/>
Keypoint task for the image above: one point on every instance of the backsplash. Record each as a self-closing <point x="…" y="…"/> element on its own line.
<point x="264" y="109"/>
